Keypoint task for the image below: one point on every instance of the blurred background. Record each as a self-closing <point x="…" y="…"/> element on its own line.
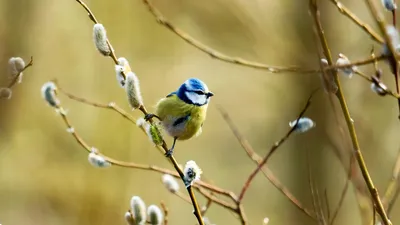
<point x="45" y="177"/>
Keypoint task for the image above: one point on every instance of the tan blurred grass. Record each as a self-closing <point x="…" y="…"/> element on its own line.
<point x="44" y="174"/>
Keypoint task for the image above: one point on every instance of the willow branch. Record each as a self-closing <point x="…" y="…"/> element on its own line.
<point x="389" y="43"/>
<point x="112" y="105"/>
<point x="272" y="150"/>
<point x="218" y="55"/>
<point x="347" y="12"/>
<point x="357" y="151"/>
<point x="166" y="213"/>
<point x="265" y="170"/>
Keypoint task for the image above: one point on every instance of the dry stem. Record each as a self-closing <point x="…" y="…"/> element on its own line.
<point x="272" y="150"/>
<point x="360" y="159"/>
<point x="265" y="170"/>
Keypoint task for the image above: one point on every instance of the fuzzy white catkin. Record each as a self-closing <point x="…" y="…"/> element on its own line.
<point x="304" y="124"/>
<point x="15" y="65"/>
<point x="170" y="183"/>
<point x="394" y="36"/>
<point x="132" y="88"/>
<point x="138" y="208"/>
<point x="98" y="161"/>
<point x="100" y="39"/>
<point x="348" y="71"/>
<point x="5" y="93"/>
<point x="191" y="173"/>
<point x="122" y="67"/>
<point x="49" y="94"/>
<point x="389" y="5"/>
<point x="155" y="215"/>
<point x="379" y="90"/>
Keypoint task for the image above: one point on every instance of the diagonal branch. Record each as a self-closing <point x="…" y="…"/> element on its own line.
<point x="347" y="12"/>
<point x="265" y="170"/>
<point x="272" y="150"/>
<point x="218" y="55"/>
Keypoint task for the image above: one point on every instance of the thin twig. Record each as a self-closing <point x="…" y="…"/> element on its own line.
<point x="205" y="208"/>
<point x="389" y="43"/>
<point x="272" y="150"/>
<point x="314" y="195"/>
<point x="328" y="210"/>
<point x="362" y="62"/>
<point x="166" y="211"/>
<point x="345" y="11"/>
<point x="112" y="105"/>
<point x="344" y="192"/>
<point x="215" y="54"/>
<point x="16" y="78"/>
<point x="182" y="196"/>
<point x="356" y="147"/>
<point x="93" y="18"/>
<point x="265" y="170"/>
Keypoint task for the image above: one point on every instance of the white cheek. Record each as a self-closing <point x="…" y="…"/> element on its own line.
<point x="197" y="99"/>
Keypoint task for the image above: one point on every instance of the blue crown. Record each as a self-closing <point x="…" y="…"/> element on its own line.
<point x="191" y="85"/>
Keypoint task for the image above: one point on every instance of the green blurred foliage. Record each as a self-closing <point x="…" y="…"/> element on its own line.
<point x="44" y="174"/>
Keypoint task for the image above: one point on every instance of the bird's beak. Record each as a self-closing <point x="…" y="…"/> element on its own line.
<point x="210" y="94"/>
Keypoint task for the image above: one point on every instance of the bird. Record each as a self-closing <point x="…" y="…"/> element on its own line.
<point x="182" y="113"/>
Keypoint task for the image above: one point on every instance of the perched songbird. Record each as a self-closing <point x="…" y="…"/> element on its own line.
<point x="182" y="113"/>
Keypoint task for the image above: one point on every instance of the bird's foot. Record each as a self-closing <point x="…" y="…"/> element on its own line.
<point x="169" y="153"/>
<point x="150" y="116"/>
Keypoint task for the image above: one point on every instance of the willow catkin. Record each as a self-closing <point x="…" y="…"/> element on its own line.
<point x="100" y="39"/>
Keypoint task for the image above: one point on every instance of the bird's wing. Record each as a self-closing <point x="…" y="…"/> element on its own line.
<point x="171" y="94"/>
<point x="181" y="120"/>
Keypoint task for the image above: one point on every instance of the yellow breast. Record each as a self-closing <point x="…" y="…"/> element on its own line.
<point x="180" y="119"/>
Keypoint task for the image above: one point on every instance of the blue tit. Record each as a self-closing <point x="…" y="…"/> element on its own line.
<point x="183" y="112"/>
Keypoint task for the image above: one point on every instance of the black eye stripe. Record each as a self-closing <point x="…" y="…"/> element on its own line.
<point x="199" y="92"/>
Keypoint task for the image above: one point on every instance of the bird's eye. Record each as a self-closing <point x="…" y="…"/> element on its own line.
<point x="199" y="92"/>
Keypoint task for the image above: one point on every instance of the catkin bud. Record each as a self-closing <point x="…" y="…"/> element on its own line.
<point x="380" y="88"/>
<point x="170" y="183"/>
<point x="389" y="5"/>
<point x="129" y="218"/>
<point x="15" y="65"/>
<point x="100" y="39"/>
<point x="343" y="60"/>
<point x="141" y="122"/>
<point x="265" y="221"/>
<point x="97" y="160"/>
<point x="138" y="208"/>
<point x="303" y="125"/>
<point x="132" y="88"/>
<point x="5" y="93"/>
<point x="122" y="67"/>
<point x="191" y="173"/>
<point x="49" y="94"/>
<point x="155" y="215"/>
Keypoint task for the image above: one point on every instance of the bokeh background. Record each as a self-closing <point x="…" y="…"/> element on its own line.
<point x="44" y="174"/>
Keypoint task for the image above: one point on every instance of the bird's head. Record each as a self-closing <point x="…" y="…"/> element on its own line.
<point x="195" y="92"/>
